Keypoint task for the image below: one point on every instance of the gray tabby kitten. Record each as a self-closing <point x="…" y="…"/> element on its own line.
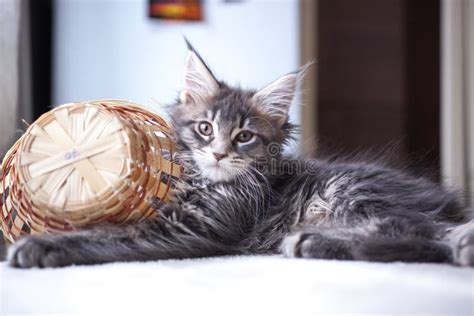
<point x="240" y="196"/>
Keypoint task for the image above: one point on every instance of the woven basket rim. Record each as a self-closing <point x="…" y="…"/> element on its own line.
<point x="134" y="197"/>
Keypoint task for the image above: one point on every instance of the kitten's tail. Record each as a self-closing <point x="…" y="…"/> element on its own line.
<point x="408" y="250"/>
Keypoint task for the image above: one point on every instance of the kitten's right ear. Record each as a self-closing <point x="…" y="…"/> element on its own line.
<point x="199" y="82"/>
<point x="275" y="99"/>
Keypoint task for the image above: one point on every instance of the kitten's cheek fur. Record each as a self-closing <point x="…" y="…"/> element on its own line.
<point x="33" y="252"/>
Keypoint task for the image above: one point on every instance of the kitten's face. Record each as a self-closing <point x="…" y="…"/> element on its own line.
<point x="225" y="130"/>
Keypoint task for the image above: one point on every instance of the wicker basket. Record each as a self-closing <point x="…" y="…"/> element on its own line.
<point x="85" y="163"/>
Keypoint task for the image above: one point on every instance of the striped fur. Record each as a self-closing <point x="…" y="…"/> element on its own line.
<point x="241" y="196"/>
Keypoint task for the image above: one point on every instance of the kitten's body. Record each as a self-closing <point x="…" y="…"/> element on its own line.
<point x="240" y="197"/>
<point x="365" y="211"/>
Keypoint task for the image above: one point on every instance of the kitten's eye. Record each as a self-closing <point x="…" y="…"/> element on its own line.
<point x="244" y="136"/>
<point x="205" y="128"/>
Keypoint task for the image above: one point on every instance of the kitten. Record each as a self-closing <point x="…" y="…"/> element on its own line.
<point x="241" y="196"/>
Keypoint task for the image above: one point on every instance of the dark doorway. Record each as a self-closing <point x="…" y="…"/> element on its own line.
<point x="41" y="43"/>
<point x="378" y="77"/>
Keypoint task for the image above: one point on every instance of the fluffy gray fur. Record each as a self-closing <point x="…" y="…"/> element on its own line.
<point x="241" y="196"/>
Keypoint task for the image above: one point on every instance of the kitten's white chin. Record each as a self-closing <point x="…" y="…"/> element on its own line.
<point x="217" y="173"/>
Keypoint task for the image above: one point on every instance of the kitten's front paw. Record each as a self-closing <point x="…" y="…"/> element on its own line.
<point x="290" y="247"/>
<point x="38" y="252"/>
<point x="314" y="245"/>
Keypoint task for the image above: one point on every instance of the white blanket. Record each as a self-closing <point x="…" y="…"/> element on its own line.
<point x="239" y="286"/>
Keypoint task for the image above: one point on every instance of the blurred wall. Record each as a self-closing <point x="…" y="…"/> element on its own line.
<point x="9" y="72"/>
<point x="112" y="49"/>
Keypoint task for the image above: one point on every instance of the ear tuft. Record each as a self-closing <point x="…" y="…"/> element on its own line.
<point x="276" y="98"/>
<point x="199" y="82"/>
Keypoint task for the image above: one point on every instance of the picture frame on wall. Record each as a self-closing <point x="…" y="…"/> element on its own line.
<point x="184" y="10"/>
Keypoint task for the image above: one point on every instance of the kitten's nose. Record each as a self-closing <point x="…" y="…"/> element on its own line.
<point x="219" y="156"/>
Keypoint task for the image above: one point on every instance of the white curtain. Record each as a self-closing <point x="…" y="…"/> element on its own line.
<point x="15" y="98"/>
<point x="9" y="70"/>
<point x="470" y="102"/>
<point x="457" y="81"/>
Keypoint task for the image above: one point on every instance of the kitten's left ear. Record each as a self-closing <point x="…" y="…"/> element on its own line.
<point x="276" y="98"/>
<point x="199" y="82"/>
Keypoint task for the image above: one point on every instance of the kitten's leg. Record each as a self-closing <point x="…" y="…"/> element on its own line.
<point x="406" y="249"/>
<point x="461" y="240"/>
<point x="157" y="238"/>
<point x="381" y="240"/>
<point x="412" y="239"/>
<point x="379" y="249"/>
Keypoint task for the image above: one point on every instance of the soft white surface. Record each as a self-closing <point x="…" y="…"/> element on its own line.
<point x="239" y="286"/>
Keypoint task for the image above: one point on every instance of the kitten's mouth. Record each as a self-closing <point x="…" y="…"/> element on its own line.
<point x="222" y="170"/>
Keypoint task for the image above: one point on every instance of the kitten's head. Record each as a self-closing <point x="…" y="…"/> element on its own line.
<point x="226" y="130"/>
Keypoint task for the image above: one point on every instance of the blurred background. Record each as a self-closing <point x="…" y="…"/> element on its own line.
<point x="388" y="73"/>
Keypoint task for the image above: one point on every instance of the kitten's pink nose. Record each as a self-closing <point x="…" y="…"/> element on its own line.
<point x="219" y="156"/>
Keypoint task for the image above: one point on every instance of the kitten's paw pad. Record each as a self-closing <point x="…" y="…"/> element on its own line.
<point x="33" y="252"/>
<point x="465" y="250"/>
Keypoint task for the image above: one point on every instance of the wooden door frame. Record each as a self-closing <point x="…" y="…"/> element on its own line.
<point x="457" y="94"/>
<point x="308" y="52"/>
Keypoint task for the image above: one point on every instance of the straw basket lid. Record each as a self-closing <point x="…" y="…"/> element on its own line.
<point x="85" y="163"/>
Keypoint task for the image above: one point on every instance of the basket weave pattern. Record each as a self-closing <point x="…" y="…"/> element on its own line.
<point x="85" y="163"/>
